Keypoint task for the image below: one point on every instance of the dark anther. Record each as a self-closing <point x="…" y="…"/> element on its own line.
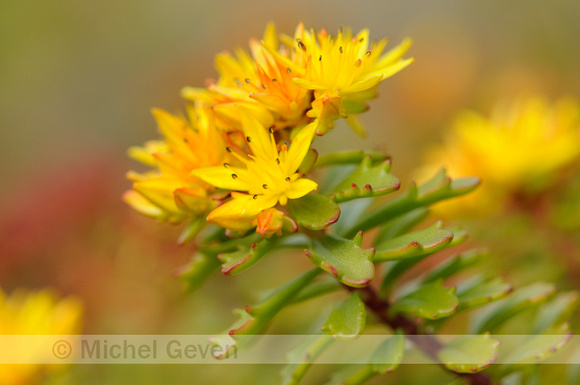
<point x="228" y="149"/>
<point x="248" y="139"/>
<point x="274" y="80"/>
<point x="255" y="196"/>
<point x="288" y="70"/>
<point x="264" y="186"/>
<point x="320" y="58"/>
<point x="234" y="176"/>
<point x="287" y="179"/>
<point x="271" y="129"/>
<point x="277" y="161"/>
<point x="340" y="49"/>
<point x="263" y="86"/>
<point x="226" y="165"/>
<point x="248" y="80"/>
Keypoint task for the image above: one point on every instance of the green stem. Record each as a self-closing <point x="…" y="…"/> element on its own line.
<point x="350" y="157"/>
<point x="316" y="349"/>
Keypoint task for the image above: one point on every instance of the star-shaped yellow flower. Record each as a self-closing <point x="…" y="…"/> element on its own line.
<point x="269" y="177"/>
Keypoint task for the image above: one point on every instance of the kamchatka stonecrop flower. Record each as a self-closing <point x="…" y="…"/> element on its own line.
<point x="520" y="149"/>
<point x="327" y="77"/>
<point x="169" y="192"/>
<point x="35" y="313"/>
<point x="269" y="176"/>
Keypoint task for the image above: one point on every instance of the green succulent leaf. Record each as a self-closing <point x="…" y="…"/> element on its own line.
<point x="197" y="270"/>
<point x="347" y="320"/>
<point x="344" y="258"/>
<point x="400" y="225"/>
<point x="456" y="264"/>
<point x="480" y="291"/>
<point x="367" y="181"/>
<point x="313" y="211"/>
<point x="439" y="188"/>
<point x="317" y="289"/>
<point x="556" y="311"/>
<point x="304" y="354"/>
<point x="191" y="230"/>
<point x="414" y="244"/>
<point x="539" y="347"/>
<point x="388" y="355"/>
<point x="348" y="157"/>
<point x="308" y="162"/>
<point x="351" y="212"/>
<point x="254" y="319"/>
<point x="238" y="261"/>
<point x="521" y="299"/>
<point x="431" y="301"/>
<point x="470" y="354"/>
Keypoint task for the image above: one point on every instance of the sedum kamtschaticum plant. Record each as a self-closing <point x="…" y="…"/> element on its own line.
<point x="240" y="168"/>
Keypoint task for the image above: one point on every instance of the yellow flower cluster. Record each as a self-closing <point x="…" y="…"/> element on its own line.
<point x="35" y="313"/>
<point x="518" y="151"/>
<point x="236" y="155"/>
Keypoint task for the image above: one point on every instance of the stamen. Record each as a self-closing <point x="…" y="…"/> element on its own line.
<point x="255" y="196"/>
<point x="265" y="186"/>
<point x="248" y="80"/>
<point x="301" y="45"/>
<point x="228" y="149"/>
<point x="358" y="63"/>
<point x="263" y="86"/>
<point x="234" y="176"/>
<point x="368" y="53"/>
<point x="277" y="161"/>
<point x="271" y="129"/>
<point x="226" y="165"/>
<point x="287" y="179"/>
<point x="274" y="79"/>
<point x="248" y="139"/>
<point x="320" y="58"/>
<point x="288" y="70"/>
<point x="340" y="49"/>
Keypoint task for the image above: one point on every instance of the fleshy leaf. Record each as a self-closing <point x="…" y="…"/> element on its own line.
<point x="556" y="311"/>
<point x="480" y="291"/>
<point x="197" y="270"/>
<point x="456" y="264"/>
<point x="470" y="354"/>
<point x="347" y="320"/>
<point x="343" y="258"/>
<point x="400" y="225"/>
<point x="238" y="261"/>
<point x="191" y="230"/>
<point x="388" y="355"/>
<point x="413" y="244"/>
<point x="431" y="301"/>
<point x="254" y="319"/>
<point x="308" y="162"/>
<point x="305" y="354"/>
<point x="523" y="298"/>
<point x="350" y="212"/>
<point x="439" y="188"/>
<point x="539" y="347"/>
<point x="367" y="181"/>
<point x="313" y="211"/>
<point x="350" y="157"/>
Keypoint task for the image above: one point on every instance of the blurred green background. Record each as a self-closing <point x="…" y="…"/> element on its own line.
<point x="77" y="81"/>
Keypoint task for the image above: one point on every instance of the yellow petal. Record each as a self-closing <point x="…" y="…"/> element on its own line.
<point x="300" y="188"/>
<point x="299" y="147"/>
<point x="362" y="85"/>
<point x="238" y="214"/>
<point x="230" y="178"/>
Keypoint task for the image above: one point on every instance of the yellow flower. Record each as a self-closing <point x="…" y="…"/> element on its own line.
<point x="519" y="150"/>
<point x="36" y="313"/>
<point x="269" y="177"/>
<point x="348" y="67"/>
<point x="170" y="192"/>
<point x="280" y="80"/>
<point x="260" y="84"/>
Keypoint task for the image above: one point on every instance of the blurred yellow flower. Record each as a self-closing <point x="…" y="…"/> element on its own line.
<point x="169" y="192"/>
<point x="35" y="313"/>
<point x="269" y="177"/>
<point x="518" y="151"/>
<point x="327" y="77"/>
